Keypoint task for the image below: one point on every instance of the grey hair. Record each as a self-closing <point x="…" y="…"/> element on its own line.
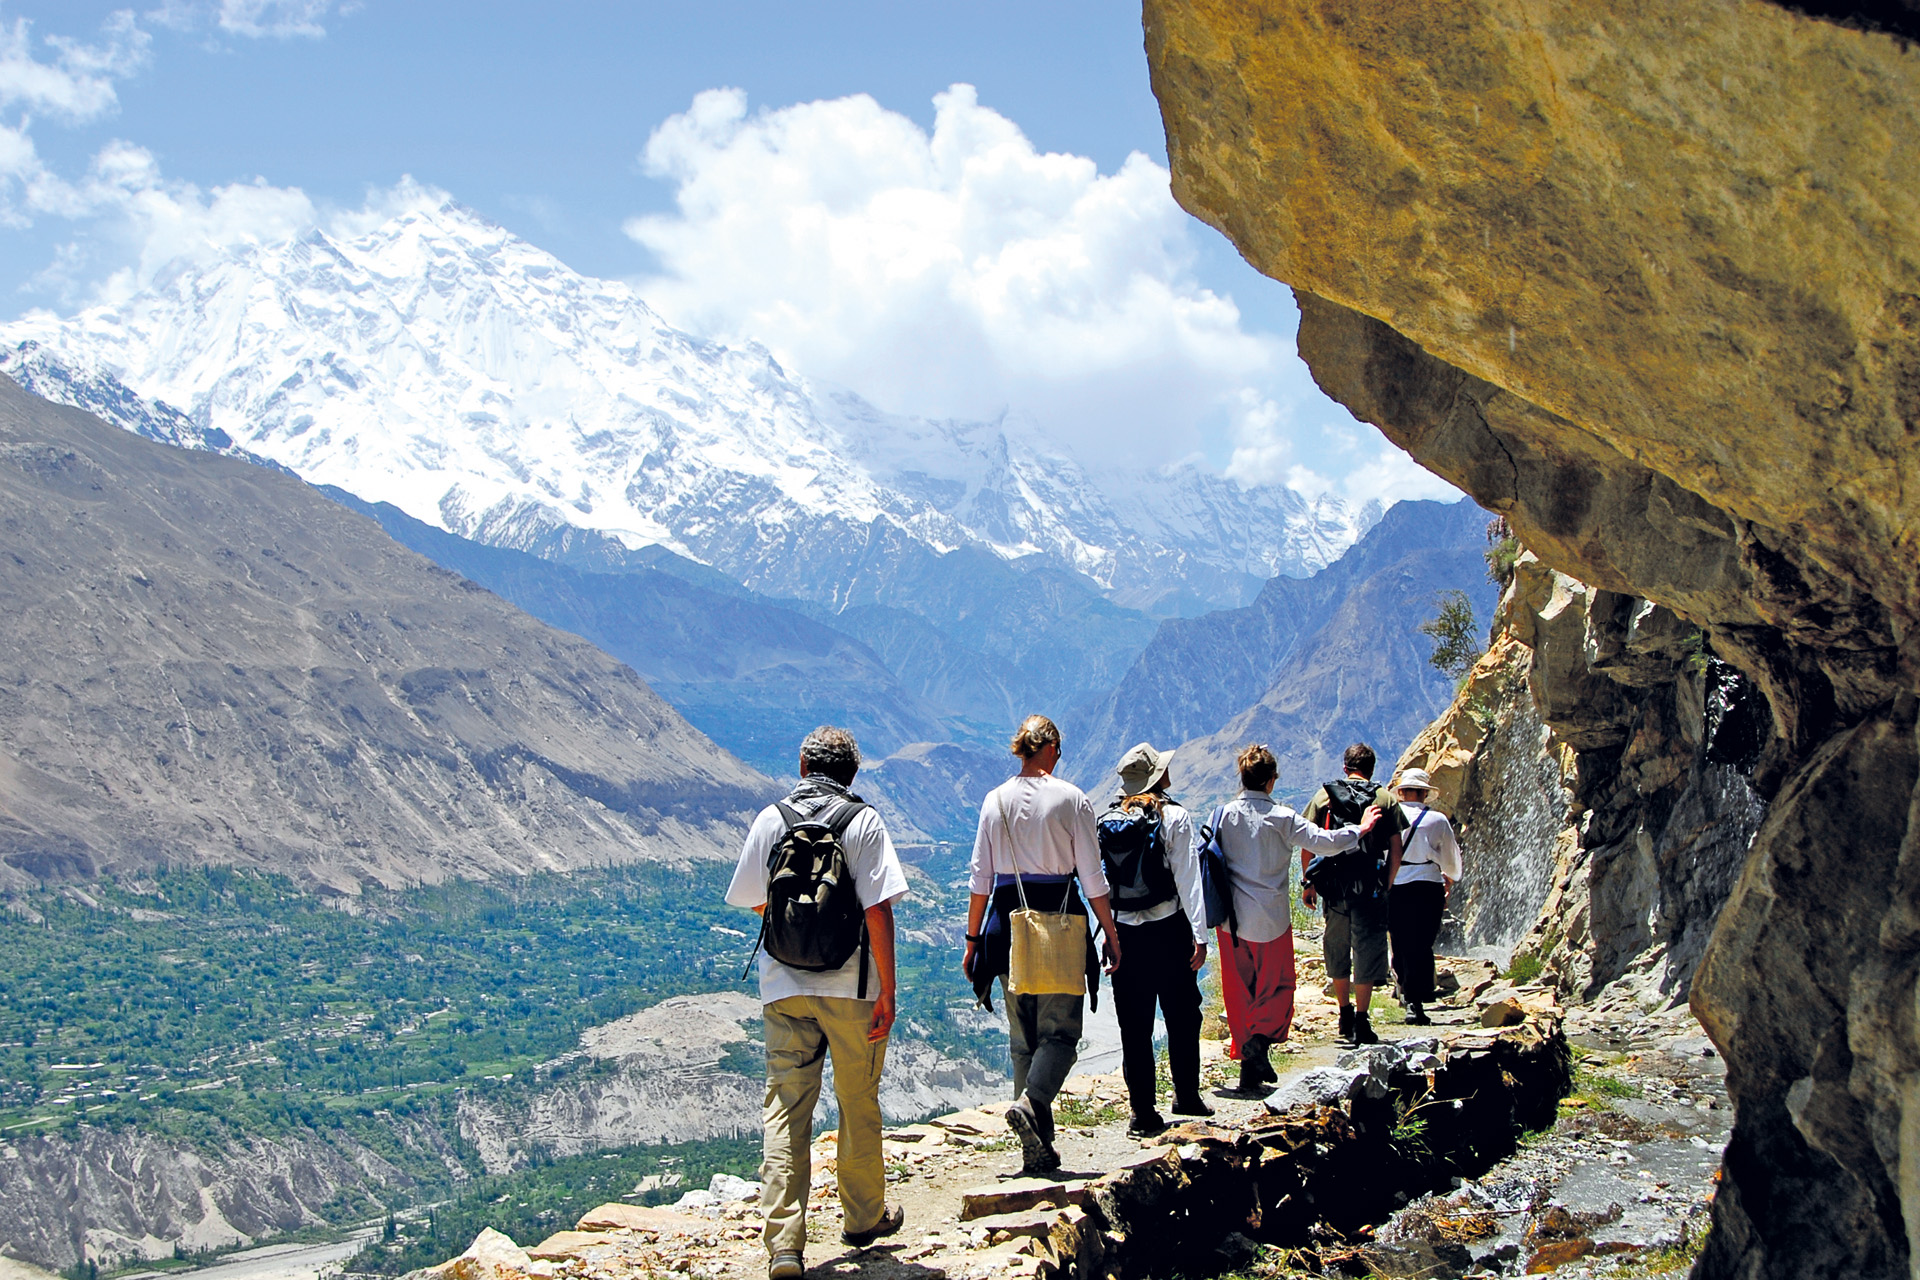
<point x="833" y="752"/>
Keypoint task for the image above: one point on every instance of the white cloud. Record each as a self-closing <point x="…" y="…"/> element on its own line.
<point x="77" y="83"/>
<point x="960" y="273"/>
<point x="281" y="19"/>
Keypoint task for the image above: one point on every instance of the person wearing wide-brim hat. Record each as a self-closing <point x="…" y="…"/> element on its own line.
<point x="1429" y="866"/>
<point x="1146" y="839"/>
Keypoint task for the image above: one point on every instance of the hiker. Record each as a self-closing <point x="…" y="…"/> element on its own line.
<point x="1429" y="865"/>
<point x="820" y="868"/>
<point x="1355" y="941"/>
<point x="1040" y="827"/>
<point x="1146" y="850"/>
<point x="1257" y="840"/>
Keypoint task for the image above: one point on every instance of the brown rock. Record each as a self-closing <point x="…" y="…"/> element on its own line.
<point x="633" y="1217"/>
<point x="1641" y="277"/>
<point x="1011" y="1196"/>
<point x="1558" y="1254"/>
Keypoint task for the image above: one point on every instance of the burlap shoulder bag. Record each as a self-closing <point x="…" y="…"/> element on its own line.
<point x="1049" y="948"/>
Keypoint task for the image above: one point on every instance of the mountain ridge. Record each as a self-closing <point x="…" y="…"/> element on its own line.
<point x="207" y="661"/>
<point x="441" y="364"/>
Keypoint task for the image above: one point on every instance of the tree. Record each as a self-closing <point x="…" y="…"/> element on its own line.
<point x="1452" y="630"/>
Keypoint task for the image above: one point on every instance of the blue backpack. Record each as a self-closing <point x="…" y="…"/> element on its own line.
<point x="1216" y="882"/>
<point x="1134" y="856"/>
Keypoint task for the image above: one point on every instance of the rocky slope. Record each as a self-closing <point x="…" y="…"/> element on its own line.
<point x="1642" y="280"/>
<point x="751" y="673"/>
<point x="115" y="1197"/>
<point x="1596" y="764"/>
<point x="207" y="661"/>
<point x="687" y="1068"/>
<point x="1312" y="665"/>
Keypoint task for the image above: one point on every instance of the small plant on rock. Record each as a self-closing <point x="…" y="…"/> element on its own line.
<point x="1453" y="632"/>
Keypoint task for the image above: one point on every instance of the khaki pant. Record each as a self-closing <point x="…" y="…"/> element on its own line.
<point x="801" y="1031"/>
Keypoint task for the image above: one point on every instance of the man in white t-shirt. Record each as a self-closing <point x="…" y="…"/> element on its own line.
<point x="846" y="1012"/>
<point x="1429" y="865"/>
<point x="1042" y="827"/>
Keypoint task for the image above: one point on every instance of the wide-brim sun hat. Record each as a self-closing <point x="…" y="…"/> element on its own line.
<point x="1414" y="780"/>
<point x="1143" y="768"/>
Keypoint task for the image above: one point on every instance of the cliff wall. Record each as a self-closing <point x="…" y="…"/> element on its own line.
<point x="1596" y="762"/>
<point x="1642" y="277"/>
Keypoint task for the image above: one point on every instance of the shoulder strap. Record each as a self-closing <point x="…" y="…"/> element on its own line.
<point x="849" y="810"/>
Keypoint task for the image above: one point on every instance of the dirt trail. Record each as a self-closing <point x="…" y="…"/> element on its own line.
<point x="1624" y="1174"/>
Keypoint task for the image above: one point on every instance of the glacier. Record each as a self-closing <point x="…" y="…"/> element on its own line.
<point x="445" y="366"/>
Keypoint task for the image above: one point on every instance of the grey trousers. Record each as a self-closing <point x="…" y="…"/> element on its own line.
<point x="1044" y="1034"/>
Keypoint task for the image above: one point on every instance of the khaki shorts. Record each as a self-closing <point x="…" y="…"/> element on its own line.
<point x="1355" y="945"/>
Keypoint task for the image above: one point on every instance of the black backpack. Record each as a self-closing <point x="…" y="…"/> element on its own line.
<point x="1358" y="875"/>
<point x="1133" y="853"/>
<point x="814" y="920"/>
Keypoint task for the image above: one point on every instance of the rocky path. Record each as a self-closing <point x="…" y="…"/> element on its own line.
<point x="1617" y="1185"/>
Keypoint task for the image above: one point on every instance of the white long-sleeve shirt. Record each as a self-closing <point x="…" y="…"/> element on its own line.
<point x="1432" y="850"/>
<point x="1051" y="824"/>
<point x="1176" y="833"/>
<point x="1260" y="840"/>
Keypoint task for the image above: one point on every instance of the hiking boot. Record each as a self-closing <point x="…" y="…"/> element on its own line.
<point x="786" y="1266"/>
<point x="1417" y="1015"/>
<point x="1346" y="1023"/>
<point x="1036" y="1152"/>
<point x="1363" y="1029"/>
<point x="1145" y="1124"/>
<point x="1256" y="1073"/>
<point x="892" y="1218"/>
<point x="1194" y="1106"/>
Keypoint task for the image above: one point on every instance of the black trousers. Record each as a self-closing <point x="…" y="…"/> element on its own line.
<point x="1156" y="967"/>
<point x="1413" y="922"/>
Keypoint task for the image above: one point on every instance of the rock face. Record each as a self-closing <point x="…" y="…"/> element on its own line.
<point x="688" y="1068"/>
<point x="121" y="1196"/>
<point x="207" y="661"/>
<point x="1641" y="277"/>
<point x="1594" y="764"/>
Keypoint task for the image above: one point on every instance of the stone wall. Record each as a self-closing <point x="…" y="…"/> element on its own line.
<point x="1642" y="277"/>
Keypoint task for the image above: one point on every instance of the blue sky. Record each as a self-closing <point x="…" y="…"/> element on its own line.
<point x="541" y="116"/>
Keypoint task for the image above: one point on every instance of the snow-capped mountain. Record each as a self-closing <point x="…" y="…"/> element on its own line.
<point x="440" y="364"/>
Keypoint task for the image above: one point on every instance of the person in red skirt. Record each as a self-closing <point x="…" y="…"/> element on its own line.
<point x="1259" y="841"/>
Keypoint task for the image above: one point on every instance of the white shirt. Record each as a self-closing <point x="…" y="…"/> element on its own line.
<point x="1176" y="833"/>
<point x="1051" y="823"/>
<point x="1260" y="840"/>
<point x="1431" y="850"/>
<point x="877" y="878"/>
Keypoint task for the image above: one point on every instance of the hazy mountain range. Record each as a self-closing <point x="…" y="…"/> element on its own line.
<point x="765" y="553"/>
<point x="207" y="661"/>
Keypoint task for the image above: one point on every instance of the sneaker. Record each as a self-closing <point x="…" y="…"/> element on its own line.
<point x="786" y="1266"/>
<point x="1417" y="1015"/>
<point x="892" y="1218"/>
<point x="1363" y="1029"/>
<point x="1036" y="1153"/>
<point x="1346" y="1023"/>
<point x="1145" y="1124"/>
<point x="1194" y="1106"/>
